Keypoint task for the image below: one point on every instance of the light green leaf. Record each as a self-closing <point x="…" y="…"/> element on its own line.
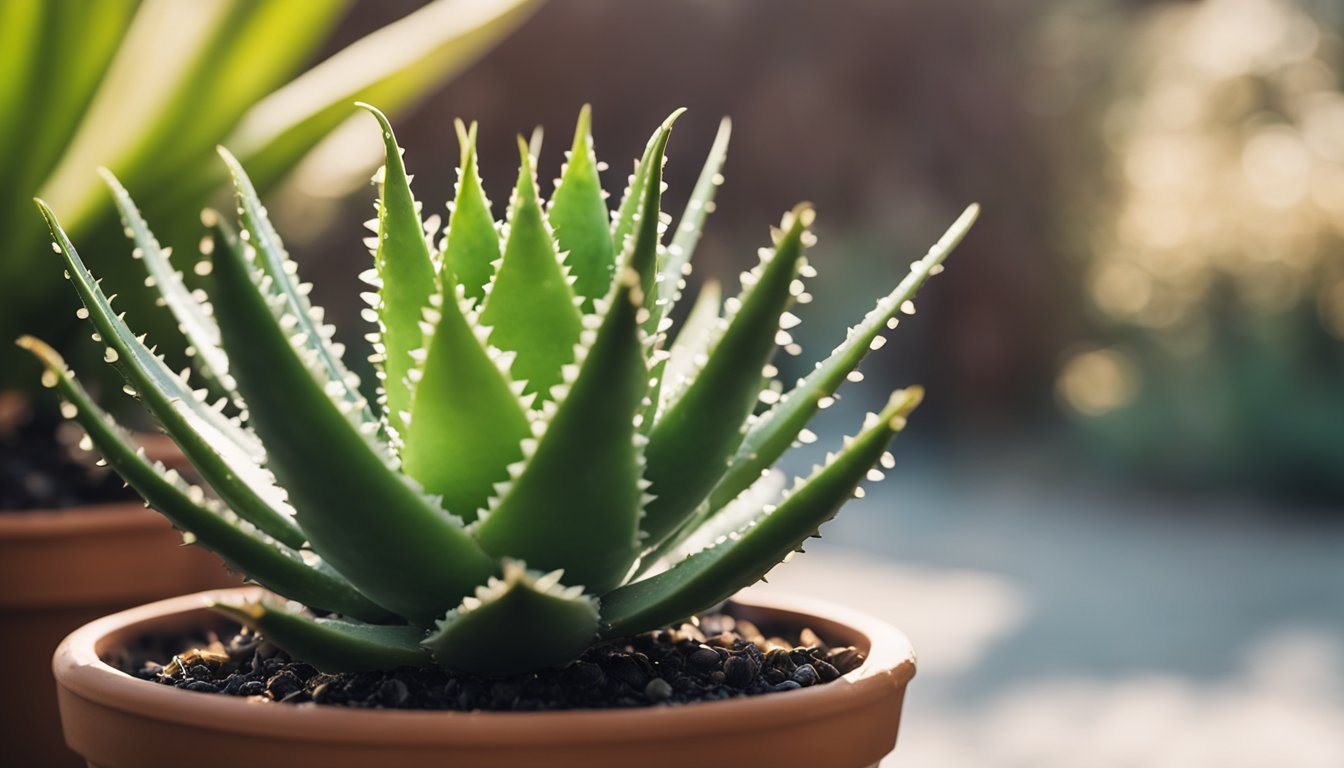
<point x="623" y="221"/>
<point x="519" y="623"/>
<point x="642" y="249"/>
<point x="692" y="222"/>
<point x="406" y="278"/>
<point x="467" y="423"/>
<point x="705" y="579"/>
<point x="359" y="512"/>
<point x="590" y="456"/>
<point x="578" y="214"/>
<point x="690" y="444"/>
<point x="530" y="306"/>
<point x="332" y="645"/>
<point x="473" y="242"/>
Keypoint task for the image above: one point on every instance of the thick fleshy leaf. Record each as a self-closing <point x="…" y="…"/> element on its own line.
<point x="530" y="306"/>
<point x="225" y="454"/>
<point x="578" y="214"/>
<point x="690" y="349"/>
<point x="473" y="242"/>
<point x="359" y="512"/>
<point x="271" y="256"/>
<point x="467" y="422"/>
<point x="642" y="249"/>
<point x="575" y="502"/>
<point x="773" y="431"/>
<point x="332" y="645"/>
<point x="519" y="623"/>
<point x="692" y="223"/>
<point x="713" y="575"/>
<point x="265" y="560"/>
<point x="623" y="220"/>
<point x="192" y="311"/>
<point x="406" y="278"/>
<point x="690" y="445"/>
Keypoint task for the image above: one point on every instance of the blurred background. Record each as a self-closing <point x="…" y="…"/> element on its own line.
<point x="1115" y="528"/>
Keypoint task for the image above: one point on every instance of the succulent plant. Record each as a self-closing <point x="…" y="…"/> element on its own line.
<point x="544" y="465"/>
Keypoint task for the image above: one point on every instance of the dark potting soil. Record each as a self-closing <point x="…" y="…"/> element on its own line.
<point x="40" y="465"/>
<point x="716" y="657"/>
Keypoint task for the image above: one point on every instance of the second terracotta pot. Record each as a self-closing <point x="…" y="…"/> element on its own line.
<point x="117" y="721"/>
<point x="63" y="568"/>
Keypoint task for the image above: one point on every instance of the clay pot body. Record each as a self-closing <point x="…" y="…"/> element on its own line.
<point x="60" y="569"/>
<point x="116" y="721"/>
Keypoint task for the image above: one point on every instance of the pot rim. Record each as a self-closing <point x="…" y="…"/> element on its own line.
<point x="80" y="671"/>
<point x="84" y="519"/>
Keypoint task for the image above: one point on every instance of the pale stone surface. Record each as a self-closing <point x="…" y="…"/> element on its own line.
<point x="1059" y="625"/>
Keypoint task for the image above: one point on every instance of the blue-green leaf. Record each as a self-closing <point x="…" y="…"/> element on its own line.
<point x="192" y="312"/>
<point x="275" y="262"/>
<point x="265" y="560"/>
<point x="332" y="645"/>
<point x="690" y="444"/>
<point x="773" y="431"/>
<point x="359" y="512"/>
<point x="522" y="622"/>
<point x="709" y="577"/>
<point x="225" y="454"/>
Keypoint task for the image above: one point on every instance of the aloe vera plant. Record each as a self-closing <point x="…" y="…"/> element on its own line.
<point x="543" y="453"/>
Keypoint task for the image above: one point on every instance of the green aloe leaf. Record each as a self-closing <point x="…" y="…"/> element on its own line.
<point x="692" y="222"/>
<point x="773" y="431"/>
<point x="359" y="512"/>
<point x="225" y="455"/>
<point x="589" y="450"/>
<point x="246" y="549"/>
<point x="332" y="645"/>
<point x="406" y="278"/>
<point x="690" y="444"/>
<point x="275" y="262"/>
<point x="578" y="214"/>
<point x="473" y="242"/>
<point x="690" y="350"/>
<point x="640" y="251"/>
<point x="713" y="575"/>
<point x="531" y="306"/>
<point x="519" y="623"/>
<point x="192" y="311"/>
<point x="623" y="221"/>
<point x="467" y="422"/>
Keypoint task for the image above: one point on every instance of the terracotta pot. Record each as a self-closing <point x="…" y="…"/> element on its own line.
<point x="62" y="568"/>
<point x="117" y="721"/>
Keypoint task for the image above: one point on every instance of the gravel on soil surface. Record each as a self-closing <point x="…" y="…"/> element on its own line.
<point x="714" y="657"/>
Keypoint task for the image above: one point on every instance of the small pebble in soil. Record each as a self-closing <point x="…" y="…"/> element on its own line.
<point x="715" y="657"/>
